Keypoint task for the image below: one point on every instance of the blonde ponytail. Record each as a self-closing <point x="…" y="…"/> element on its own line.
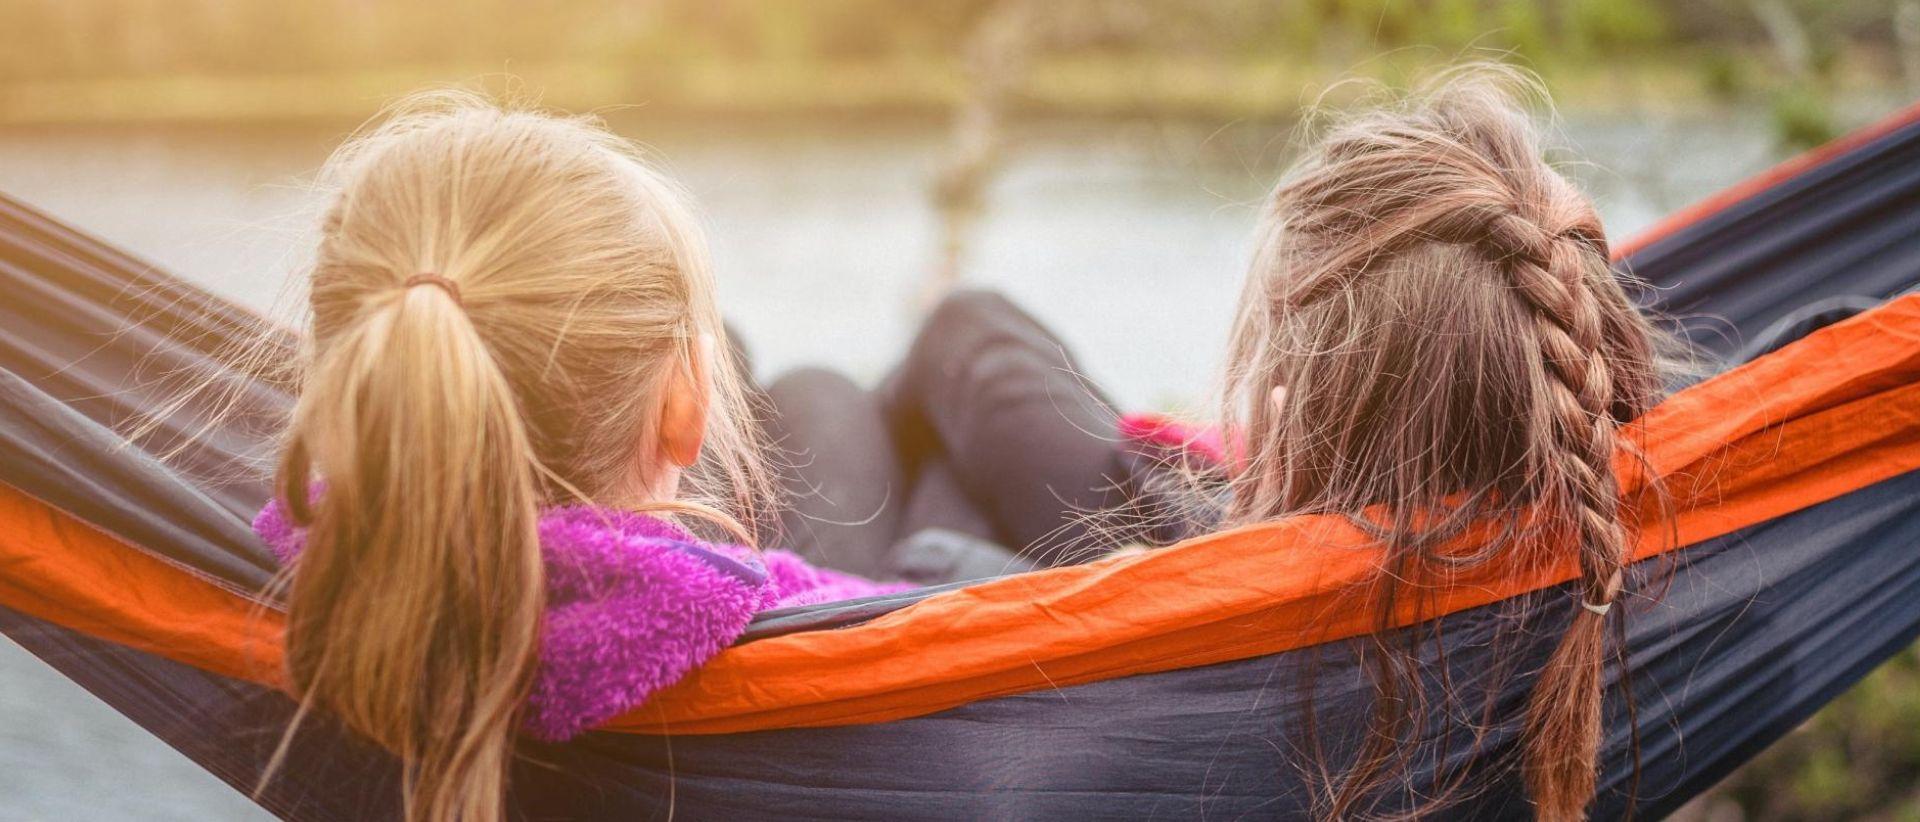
<point x="500" y="300"/>
<point x="417" y="602"/>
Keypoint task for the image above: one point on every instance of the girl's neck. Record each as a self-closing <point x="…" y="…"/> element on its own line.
<point x="640" y="491"/>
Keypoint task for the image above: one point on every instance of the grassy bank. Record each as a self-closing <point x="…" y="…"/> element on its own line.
<point x="1069" y="85"/>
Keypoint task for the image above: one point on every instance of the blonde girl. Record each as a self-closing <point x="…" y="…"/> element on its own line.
<point x="515" y="405"/>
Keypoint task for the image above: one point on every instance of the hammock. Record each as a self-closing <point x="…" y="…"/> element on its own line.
<point x="1173" y="683"/>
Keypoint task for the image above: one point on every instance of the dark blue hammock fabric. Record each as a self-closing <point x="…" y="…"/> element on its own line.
<point x="1848" y="227"/>
<point x="1732" y="643"/>
<point x="1753" y="633"/>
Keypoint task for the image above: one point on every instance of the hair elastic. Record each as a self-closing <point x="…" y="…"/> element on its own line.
<point x="1611" y="591"/>
<point x="429" y="278"/>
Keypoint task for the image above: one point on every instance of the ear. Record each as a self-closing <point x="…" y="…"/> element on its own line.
<point x="1279" y="399"/>
<point x="683" y="411"/>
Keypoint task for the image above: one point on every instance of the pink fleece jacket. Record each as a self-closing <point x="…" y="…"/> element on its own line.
<point x="633" y="604"/>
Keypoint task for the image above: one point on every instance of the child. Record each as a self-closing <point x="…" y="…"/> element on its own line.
<point x="1430" y="337"/>
<point x="484" y="496"/>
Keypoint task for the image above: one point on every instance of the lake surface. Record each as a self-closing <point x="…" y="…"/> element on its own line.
<point x="1129" y="238"/>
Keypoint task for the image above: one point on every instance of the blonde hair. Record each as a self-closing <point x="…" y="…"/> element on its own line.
<point x="1454" y="348"/>
<point x="497" y="299"/>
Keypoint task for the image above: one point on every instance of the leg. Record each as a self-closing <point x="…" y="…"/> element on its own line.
<point x="846" y="486"/>
<point x="1033" y="443"/>
<point x="937" y="556"/>
<point x="938" y="502"/>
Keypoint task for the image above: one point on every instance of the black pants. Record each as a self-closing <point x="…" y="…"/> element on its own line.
<point x="988" y="430"/>
<point x="985" y="429"/>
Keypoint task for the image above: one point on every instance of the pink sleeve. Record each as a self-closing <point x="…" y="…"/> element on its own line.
<point x="1163" y="431"/>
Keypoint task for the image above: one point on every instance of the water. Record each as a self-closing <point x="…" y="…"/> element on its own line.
<point x="65" y="755"/>
<point x="1128" y="238"/>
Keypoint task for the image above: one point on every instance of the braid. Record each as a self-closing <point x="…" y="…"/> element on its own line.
<point x="1436" y="301"/>
<point x="1550" y="273"/>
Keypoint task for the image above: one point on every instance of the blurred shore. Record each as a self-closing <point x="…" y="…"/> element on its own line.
<point x="1074" y="86"/>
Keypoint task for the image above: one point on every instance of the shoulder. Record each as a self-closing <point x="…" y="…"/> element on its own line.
<point x="633" y="605"/>
<point x="589" y="551"/>
<point x="274" y="525"/>
<point x="794" y="581"/>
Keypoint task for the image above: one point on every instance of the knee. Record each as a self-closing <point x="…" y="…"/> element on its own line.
<point x="966" y="310"/>
<point x="810" y="386"/>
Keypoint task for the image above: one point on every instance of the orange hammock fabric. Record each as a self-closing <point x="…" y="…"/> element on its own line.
<point x="1831" y="414"/>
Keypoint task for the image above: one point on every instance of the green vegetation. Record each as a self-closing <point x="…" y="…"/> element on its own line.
<point x="1802" y="118"/>
<point x="1857" y="759"/>
<point x="235" y="60"/>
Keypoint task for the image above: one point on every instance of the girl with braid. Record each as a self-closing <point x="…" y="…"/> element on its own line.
<point x="1430" y="338"/>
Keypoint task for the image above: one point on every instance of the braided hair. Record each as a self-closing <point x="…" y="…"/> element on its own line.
<point x="1436" y="303"/>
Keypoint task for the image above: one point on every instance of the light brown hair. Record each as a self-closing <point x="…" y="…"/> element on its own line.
<point x="499" y="298"/>
<point x="1436" y="303"/>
